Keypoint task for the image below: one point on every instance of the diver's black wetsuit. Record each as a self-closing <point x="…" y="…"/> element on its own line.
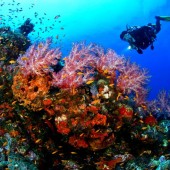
<point x="144" y="36"/>
<point x="140" y="38"/>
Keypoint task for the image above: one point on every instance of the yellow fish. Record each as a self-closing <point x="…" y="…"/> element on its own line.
<point x="3" y="58"/>
<point x="12" y="61"/>
<point x="74" y="153"/>
<point x="55" y="152"/>
<point x="90" y="81"/>
<point x="38" y="140"/>
<point x="97" y="101"/>
<point x="24" y="58"/>
<point x="79" y="73"/>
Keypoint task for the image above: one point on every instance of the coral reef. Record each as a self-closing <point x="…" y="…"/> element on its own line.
<point x="90" y="114"/>
<point x="32" y="81"/>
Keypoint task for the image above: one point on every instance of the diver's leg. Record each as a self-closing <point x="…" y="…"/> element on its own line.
<point x="158" y="24"/>
<point x="162" y="18"/>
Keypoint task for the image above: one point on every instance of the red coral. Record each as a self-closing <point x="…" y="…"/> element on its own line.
<point x="62" y="128"/>
<point x="78" y="142"/>
<point x="47" y="102"/>
<point x="125" y="112"/>
<point x="150" y="120"/>
<point x="99" y="119"/>
<point x="2" y="132"/>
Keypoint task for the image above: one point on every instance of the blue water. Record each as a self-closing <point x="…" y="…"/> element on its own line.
<point x="100" y="22"/>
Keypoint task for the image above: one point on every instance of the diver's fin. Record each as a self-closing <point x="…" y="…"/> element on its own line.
<point x="163" y="18"/>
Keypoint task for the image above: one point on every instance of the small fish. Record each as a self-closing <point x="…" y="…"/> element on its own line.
<point x="144" y="107"/>
<point x="81" y="134"/>
<point x="97" y="101"/>
<point x="24" y="58"/>
<point x="126" y="98"/>
<point x="105" y="71"/>
<point x="3" y="58"/>
<point x="54" y="152"/>
<point x="119" y="94"/>
<point x="5" y="143"/>
<point x="90" y="81"/>
<point x="64" y="76"/>
<point x="80" y="73"/>
<point x="73" y="153"/>
<point x="14" y="102"/>
<point x="111" y="85"/>
<point x="118" y="127"/>
<point x="45" y="66"/>
<point x="144" y="128"/>
<point x="12" y="61"/>
<point x="57" y="16"/>
<point x="38" y="140"/>
<point x="141" y="121"/>
<point x="23" y="139"/>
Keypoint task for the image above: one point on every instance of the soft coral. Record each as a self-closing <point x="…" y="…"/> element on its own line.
<point x="38" y="59"/>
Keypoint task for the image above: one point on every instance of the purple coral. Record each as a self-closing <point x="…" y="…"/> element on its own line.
<point x="161" y="106"/>
<point x="38" y="59"/>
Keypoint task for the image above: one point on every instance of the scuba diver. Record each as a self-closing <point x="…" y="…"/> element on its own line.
<point x="141" y="37"/>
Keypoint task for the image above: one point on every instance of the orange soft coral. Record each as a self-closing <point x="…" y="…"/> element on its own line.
<point x="30" y="90"/>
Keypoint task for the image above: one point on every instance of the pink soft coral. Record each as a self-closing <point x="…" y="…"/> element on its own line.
<point x="132" y="79"/>
<point x="109" y="62"/>
<point x="38" y="59"/>
<point x="78" y="69"/>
